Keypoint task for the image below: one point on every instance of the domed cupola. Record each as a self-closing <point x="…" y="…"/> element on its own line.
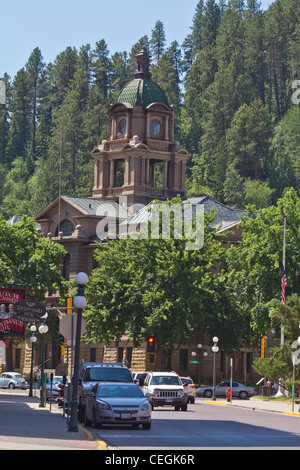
<point x="142" y="90"/>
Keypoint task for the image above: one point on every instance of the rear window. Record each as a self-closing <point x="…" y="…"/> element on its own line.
<point x="107" y="374"/>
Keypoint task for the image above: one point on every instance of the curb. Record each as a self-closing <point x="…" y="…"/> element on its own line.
<point x="101" y="444"/>
<point x="290" y="413"/>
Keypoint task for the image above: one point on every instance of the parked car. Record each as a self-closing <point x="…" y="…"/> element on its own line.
<point x="165" y="388"/>
<point x="190" y="388"/>
<point x="117" y="403"/>
<point x="57" y="385"/>
<point x="238" y="390"/>
<point x="92" y="372"/>
<point x="13" y="380"/>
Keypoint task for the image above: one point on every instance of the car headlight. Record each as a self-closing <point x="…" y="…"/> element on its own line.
<point x="155" y="392"/>
<point x="101" y="405"/>
<point x="145" y="407"/>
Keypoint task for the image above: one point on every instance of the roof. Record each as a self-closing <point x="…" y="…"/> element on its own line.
<point x="143" y="92"/>
<point x="226" y="217"/>
<point x="99" y="207"/>
<point x="91" y="207"/>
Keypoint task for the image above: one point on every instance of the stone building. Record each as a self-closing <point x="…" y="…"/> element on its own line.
<point x="139" y="162"/>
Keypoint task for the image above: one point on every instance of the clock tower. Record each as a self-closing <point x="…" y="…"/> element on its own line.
<point x="140" y="160"/>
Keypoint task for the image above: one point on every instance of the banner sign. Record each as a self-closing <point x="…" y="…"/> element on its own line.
<point x="10" y="325"/>
<point x="29" y="311"/>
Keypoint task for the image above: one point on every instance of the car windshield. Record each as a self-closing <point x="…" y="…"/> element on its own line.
<point x="165" y="380"/>
<point x="18" y="376"/>
<point x="109" y="374"/>
<point x="108" y="390"/>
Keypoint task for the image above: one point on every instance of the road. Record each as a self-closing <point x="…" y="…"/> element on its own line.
<point x="207" y="427"/>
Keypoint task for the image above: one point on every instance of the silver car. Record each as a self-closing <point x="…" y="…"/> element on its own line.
<point x="13" y="380"/>
<point x="117" y="403"/>
<point x="238" y="390"/>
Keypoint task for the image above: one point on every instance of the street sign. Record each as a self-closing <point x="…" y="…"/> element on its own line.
<point x="194" y="362"/>
<point x="68" y="322"/>
<point x="29" y="311"/>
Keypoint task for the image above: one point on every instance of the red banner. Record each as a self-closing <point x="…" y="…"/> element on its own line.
<point x="10" y="326"/>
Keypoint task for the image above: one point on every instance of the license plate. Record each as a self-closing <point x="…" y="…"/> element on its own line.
<point x="169" y="400"/>
<point x="125" y="416"/>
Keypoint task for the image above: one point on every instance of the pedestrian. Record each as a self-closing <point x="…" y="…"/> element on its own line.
<point x="228" y="394"/>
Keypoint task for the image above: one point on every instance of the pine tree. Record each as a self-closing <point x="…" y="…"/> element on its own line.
<point x="157" y="41"/>
<point x="19" y="133"/>
<point x="34" y="68"/>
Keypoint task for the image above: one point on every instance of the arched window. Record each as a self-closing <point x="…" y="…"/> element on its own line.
<point x="66" y="227"/>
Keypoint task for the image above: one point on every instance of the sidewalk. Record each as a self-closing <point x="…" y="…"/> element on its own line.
<point x="258" y="404"/>
<point x="26" y="426"/>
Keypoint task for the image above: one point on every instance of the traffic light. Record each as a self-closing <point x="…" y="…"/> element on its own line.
<point x="151" y="344"/>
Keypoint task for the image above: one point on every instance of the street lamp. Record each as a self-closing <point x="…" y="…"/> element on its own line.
<point x="199" y="346"/>
<point x="215" y="349"/>
<point x="43" y="329"/>
<point x="32" y="340"/>
<point x="79" y="303"/>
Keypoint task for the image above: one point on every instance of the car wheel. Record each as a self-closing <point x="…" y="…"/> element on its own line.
<point x="147" y="425"/>
<point x="243" y="395"/>
<point x="192" y="400"/>
<point x="184" y="407"/>
<point x="208" y="393"/>
<point x="11" y="386"/>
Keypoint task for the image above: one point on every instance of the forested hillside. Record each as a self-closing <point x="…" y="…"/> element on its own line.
<point x="230" y="84"/>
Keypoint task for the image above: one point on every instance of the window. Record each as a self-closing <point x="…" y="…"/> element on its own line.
<point x="183" y="359"/>
<point x="93" y="354"/>
<point x="129" y="356"/>
<point x="120" y="354"/>
<point x="122" y="127"/>
<point x="66" y="227"/>
<point x="155" y="127"/>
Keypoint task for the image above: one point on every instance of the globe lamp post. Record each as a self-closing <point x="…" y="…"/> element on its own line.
<point x="79" y="303"/>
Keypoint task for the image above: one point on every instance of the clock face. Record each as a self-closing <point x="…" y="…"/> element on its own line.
<point x="122" y="126"/>
<point x="155" y="127"/>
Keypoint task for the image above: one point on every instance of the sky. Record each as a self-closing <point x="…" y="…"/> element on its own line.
<point x="53" y="25"/>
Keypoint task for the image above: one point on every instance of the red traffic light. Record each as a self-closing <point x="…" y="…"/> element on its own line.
<point x="151" y="344"/>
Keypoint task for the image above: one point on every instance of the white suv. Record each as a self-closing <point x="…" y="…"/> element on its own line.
<point x="165" y="388"/>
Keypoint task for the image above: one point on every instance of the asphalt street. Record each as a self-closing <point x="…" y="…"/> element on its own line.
<point x="243" y="425"/>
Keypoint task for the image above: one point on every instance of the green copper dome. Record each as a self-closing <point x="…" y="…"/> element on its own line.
<point x="142" y="91"/>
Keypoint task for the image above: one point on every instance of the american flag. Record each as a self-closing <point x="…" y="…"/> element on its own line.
<point x="283" y="284"/>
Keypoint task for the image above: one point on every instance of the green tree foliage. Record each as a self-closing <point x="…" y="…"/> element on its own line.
<point x="29" y="259"/>
<point x="255" y="266"/>
<point x="142" y="286"/>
